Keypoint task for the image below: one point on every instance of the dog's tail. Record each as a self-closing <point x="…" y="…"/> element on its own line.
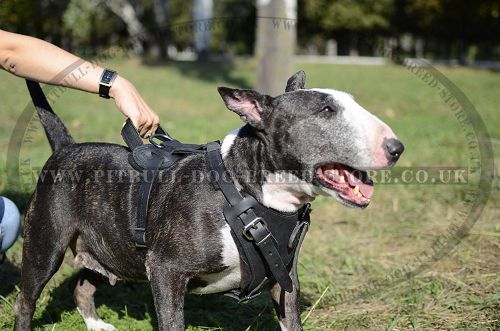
<point x="56" y="132"/>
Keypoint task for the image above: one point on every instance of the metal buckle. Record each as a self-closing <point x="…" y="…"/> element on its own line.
<point x="143" y="230"/>
<point x="159" y="136"/>
<point x="254" y="293"/>
<point x="236" y="294"/>
<point x="306" y="213"/>
<point x="253" y="225"/>
<point x="249" y="298"/>
<point x="242" y="300"/>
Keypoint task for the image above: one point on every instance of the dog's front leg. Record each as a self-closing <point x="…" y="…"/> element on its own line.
<point x="168" y="287"/>
<point x="287" y="305"/>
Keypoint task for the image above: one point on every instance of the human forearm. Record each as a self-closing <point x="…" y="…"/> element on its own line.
<point x="38" y="60"/>
<point x="35" y="59"/>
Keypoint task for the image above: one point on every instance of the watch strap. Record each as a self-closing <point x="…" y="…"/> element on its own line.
<point x="106" y="81"/>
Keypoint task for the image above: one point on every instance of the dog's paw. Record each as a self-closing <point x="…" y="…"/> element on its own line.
<point x="98" y="325"/>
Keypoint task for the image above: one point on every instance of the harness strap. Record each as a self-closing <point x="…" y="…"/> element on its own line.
<point x="304" y="228"/>
<point x="130" y="136"/>
<point x="301" y="228"/>
<point x="254" y="227"/>
<point x="149" y="159"/>
<point x="230" y="191"/>
<point x="142" y="208"/>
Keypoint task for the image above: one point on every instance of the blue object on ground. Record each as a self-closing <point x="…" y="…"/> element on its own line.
<point x="10" y="222"/>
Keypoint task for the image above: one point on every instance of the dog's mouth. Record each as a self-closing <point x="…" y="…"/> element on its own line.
<point x="352" y="186"/>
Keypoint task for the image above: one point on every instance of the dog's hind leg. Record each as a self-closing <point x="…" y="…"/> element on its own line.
<point x="84" y="287"/>
<point x="43" y="253"/>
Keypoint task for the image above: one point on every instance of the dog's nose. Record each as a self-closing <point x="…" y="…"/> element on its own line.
<point x="394" y="149"/>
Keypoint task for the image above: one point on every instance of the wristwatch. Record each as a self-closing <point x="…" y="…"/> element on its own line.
<point x="107" y="79"/>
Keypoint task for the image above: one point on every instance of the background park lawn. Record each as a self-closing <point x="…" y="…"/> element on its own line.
<point x="345" y="250"/>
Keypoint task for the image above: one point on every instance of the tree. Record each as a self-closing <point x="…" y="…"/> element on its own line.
<point x="235" y="32"/>
<point x="451" y="26"/>
<point x="160" y="12"/>
<point x="349" y="18"/>
<point x="42" y="19"/>
<point x="202" y="26"/>
<point x="137" y="32"/>
<point x="180" y="23"/>
<point x="275" y="44"/>
<point x="80" y="21"/>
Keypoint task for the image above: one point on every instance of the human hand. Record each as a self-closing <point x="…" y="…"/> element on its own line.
<point x="131" y="104"/>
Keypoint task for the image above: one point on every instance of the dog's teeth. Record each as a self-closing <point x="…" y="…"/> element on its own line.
<point x="335" y="172"/>
<point x="356" y="190"/>
<point x="341" y="180"/>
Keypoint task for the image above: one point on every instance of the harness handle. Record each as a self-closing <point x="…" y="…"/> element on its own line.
<point x="131" y="136"/>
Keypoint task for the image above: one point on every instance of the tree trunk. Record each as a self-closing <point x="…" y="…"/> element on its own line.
<point x="160" y="9"/>
<point x="275" y="44"/>
<point x="353" y="44"/>
<point x="136" y="31"/>
<point x="202" y="16"/>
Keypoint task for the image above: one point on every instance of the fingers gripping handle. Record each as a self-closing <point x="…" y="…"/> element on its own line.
<point x="132" y="138"/>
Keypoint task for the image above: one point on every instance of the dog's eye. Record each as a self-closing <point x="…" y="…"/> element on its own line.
<point x="327" y="109"/>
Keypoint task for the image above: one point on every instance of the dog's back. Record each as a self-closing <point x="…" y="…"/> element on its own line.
<point x="87" y="195"/>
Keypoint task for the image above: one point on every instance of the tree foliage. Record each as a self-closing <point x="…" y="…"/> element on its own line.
<point x="35" y="18"/>
<point x="353" y="15"/>
<point x="451" y="19"/>
<point x="448" y="27"/>
<point x="89" y="22"/>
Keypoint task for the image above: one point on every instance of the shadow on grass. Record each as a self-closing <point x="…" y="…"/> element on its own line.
<point x="134" y="300"/>
<point x="21" y="199"/>
<point x="208" y="71"/>
<point x="131" y="299"/>
<point x="10" y="275"/>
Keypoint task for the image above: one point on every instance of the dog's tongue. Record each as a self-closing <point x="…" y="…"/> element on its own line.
<point x="366" y="189"/>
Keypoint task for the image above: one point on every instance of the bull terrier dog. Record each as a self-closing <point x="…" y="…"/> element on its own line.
<point x="320" y="140"/>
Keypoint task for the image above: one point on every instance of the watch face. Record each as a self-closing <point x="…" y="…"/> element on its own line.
<point x="107" y="76"/>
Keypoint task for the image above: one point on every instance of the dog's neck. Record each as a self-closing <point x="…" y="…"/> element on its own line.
<point x="246" y="160"/>
<point x="252" y="169"/>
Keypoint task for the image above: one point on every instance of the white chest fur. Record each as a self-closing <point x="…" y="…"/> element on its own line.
<point x="229" y="278"/>
<point x="286" y="192"/>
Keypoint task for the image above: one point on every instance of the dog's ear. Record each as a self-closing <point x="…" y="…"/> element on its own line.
<point x="249" y="104"/>
<point x="296" y="82"/>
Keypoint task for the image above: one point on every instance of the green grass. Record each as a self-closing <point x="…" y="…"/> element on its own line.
<point x="345" y="249"/>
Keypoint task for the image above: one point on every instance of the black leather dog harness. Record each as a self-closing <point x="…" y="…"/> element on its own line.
<point x="149" y="159"/>
<point x="268" y="241"/>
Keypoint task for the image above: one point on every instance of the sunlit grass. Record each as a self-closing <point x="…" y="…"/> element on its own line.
<point x="345" y="249"/>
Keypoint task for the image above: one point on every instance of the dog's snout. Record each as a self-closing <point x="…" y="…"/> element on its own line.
<point x="394" y="149"/>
